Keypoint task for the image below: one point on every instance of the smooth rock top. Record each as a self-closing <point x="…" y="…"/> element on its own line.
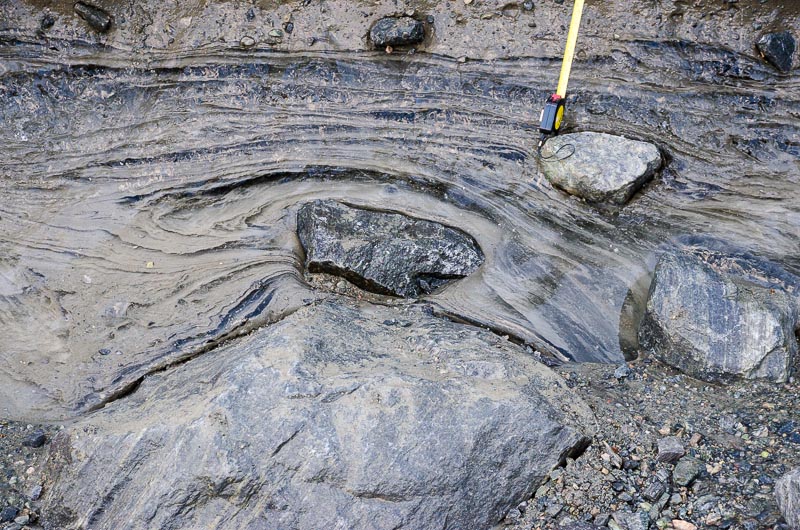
<point x="386" y="253"/>
<point x="778" y="49"/>
<point x="327" y="419"/>
<point x="716" y="316"/>
<point x="787" y="493"/>
<point x="603" y="168"/>
<point x="396" y="31"/>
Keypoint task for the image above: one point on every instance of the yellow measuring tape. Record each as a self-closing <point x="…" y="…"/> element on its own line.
<point x="569" y="52"/>
<point x="553" y="112"/>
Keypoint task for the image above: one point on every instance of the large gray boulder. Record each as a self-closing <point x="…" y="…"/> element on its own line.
<point x="600" y="168"/>
<point x="387" y="253"/>
<point x="716" y="316"/>
<point x="342" y="415"/>
<point x="787" y="492"/>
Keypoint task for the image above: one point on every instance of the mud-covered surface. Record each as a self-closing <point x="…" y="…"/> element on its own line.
<point x="151" y="196"/>
<point x="152" y="172"/>
<point x="480" y="30"/>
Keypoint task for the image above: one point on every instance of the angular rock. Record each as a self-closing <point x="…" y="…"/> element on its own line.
<point x="36" y="439"/>
<point x="632" y="521"/>
<point x="787" y="493"/>
<point x="670" y="449"/>
<point x="94" y="16"/>
<point x="603" y="168"/>
<point x="513" y="517"/>
<point x="396" y="31"/>
<point x="716" y="316"/>
<point x="622" y="371"/>
<point x="327" y="419"/>
<point x="47" y="22"/>
<point x="8" y="514"/>
<point x="778" y="49"/>
<point x="654" y="490"/>
<point x="602" y="519"/>
<point x="387" y="253"/>
<point x="35" y="492"/>
<point x="686" y="470"/>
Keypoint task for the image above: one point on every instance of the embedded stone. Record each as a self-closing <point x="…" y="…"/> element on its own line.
<point x="599" y="167"/>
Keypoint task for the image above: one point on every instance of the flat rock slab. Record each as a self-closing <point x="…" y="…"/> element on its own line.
<point x="387" y="253"/>
<point x="328" y="419"/>
<point x="602" y="168"/>
<point x="787" y="493"/>
<point x="716" y="316"/>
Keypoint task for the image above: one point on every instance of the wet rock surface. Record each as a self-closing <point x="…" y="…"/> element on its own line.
<point x="198" y="229"/>
<point x="329" y="418"/>
<point x="387" y="253"/>
<point x="600" y="167"/>
<point x="397" y="31"/>
<point x="787" y="492"/>
<point x="778" y="49"/>
<point x="717" y="316"/>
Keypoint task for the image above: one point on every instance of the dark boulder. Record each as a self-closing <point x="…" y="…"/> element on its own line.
<point x="327" y="419"/>
<point x="716" y="316"/>
<point x="778" y="49"/>
<point x="94" y="16"/>
<point x="36" y="439"/>
<point x="396" y="31"/>
<point x="387" y="253"/>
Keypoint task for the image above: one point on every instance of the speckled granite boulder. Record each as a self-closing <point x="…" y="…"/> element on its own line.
<point x="787" y="492"/>
<point x="603" y="168"/>
<point x="717" y="316"/>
